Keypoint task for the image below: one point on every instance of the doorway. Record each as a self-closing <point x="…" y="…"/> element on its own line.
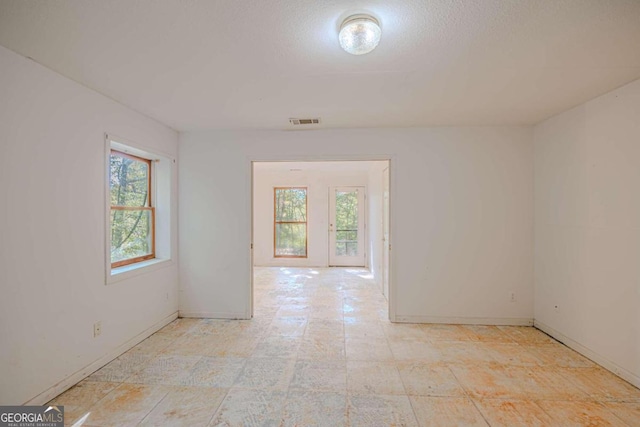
<point x="346" y="227"/>
<point x="336" y="221"/>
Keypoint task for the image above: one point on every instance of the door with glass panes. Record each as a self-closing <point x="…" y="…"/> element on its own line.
<point x="346" y="226"/>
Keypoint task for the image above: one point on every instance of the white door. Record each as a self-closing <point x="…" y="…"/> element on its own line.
<point x="385" y="232"/>
<point x="346" y="226"/>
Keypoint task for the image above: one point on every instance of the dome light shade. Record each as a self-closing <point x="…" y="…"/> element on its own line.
<point x="360" y="34"/>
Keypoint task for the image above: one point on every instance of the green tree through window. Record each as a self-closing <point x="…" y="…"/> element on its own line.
<point x="132" y="216"/>
<point x="290" y="224"/>
<point x="347" y="223"/>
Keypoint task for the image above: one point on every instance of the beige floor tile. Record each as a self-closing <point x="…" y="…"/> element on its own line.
<point x="446" y="411"/>
<point x="329" y="314"/>
<point x="527" y="335"/>
<point x="230" y="346"/>
<point x="509" y="413"/>
<point x="190" y="345"/>
<point x="250" y="408"/>
<point x="368" y="349"/>
<point x="278" y="346"/>
<point x="442" y="332"/>
<point x="324" y="328"/>
<point x="488" y="334"/>
<point x="288" y="326"/>
<point x="358" y="328"/>
<point x="360" y="311"/>
<point x="560" y="355"/>
<point x="545" y="383"/>
<point x="179" y="327"/>
<point x="511" y="354"/>
<point x="165" y="370"/>
<point x="214" y="372"/>
<point x="121" y="368"/>
<point x="322" y="336"/>
<point x="404" y="350"/>
<point x="315" y="409"/>
<point x="497" y="381"/>
<point x="429" y="379"/>
<point x="186" y="406"/>
<point x="293" y="310"/>
<point x="405" y="331"/>
<point x="600" y="384"/>
<point x="467" y="352"/>
<point x="580" y="414"/>
<point x="380" y="411"/>
<point x="319" y="375"/>
<point x="84" y="394"/>
<point x="488" y="381"/>
<point x="629" y="412"/>
<point x="365" y="377"/>
<point x="266" y="374"/>
<point x="126" y="405"/>
<point x="321" y="349"/>
<point x="154" y="344"/>
<point x="230" y="328"/>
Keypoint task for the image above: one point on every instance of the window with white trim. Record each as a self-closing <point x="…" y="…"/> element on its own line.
<point x="132" y="216"/>
<point x="140" y="187"/>
<point x="290" y="222"/>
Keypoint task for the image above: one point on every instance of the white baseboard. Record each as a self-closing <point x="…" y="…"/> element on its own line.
<point x="590" y="354"/>
<point x="214" y="315"/>
<point x="83" y="373"/>
<point x="501" y="321"/>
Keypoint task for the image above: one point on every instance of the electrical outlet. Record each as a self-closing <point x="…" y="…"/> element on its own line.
<point x="512" y="297"/>
<point x="97" y="329"/>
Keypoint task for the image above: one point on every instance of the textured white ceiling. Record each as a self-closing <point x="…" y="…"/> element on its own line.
<point x="253" y="64"/>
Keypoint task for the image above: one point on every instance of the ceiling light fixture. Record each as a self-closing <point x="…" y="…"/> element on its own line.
<point x="359" y="34"/>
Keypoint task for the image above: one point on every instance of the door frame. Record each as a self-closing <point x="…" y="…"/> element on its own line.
<point x="385" y="233"/>
<point x="392" y="159"/>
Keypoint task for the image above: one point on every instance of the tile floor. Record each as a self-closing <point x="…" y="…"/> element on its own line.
<point x="320" y="352"/>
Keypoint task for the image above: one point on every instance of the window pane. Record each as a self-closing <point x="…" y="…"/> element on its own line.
<point x="352" y="249"/>
<point x="346" y="223"/>
<point x="291" y="239"/>
<point x="130" y="234"/>
<point x="345" y="235"/>
<point x="291" y="204"/>
<point x="346" y="210"/>
<point x="129" y="181"/>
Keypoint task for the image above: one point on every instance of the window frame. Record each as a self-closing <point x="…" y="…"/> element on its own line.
<point x="149" y="207"/>
<point x="306" y="223"/>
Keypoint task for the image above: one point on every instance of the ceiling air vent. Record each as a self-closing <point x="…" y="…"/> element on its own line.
<point x="297" y="122"/>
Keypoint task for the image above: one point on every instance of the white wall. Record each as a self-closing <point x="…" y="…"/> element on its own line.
<point x="587" y="221"/>
<point x="318" y="183"/>
<point x="462" y="216"/>
<point x="52" y="231"/>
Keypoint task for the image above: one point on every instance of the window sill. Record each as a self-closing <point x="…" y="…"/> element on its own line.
<point x="127" y="271"/>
